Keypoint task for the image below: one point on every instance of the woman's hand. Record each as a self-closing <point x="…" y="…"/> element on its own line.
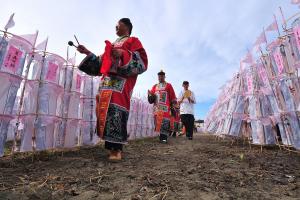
<point x="82" y="49"/>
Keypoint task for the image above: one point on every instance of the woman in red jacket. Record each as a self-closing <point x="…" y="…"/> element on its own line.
<point x="119" y="66"/>
<point x="164" y="101"/>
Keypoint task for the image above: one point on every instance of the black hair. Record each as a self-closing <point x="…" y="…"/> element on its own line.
<point x="161" y="73"/>
<point x="185" y="83"/>
<point x="127" y="23"/>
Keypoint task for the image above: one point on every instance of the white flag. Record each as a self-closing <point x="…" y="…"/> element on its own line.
<point x="273" y="26"/>
<point x="30" y="37"/>
<point x="43" y="45"/>
<point x="261" y="39"/>
<point x="10" y="23"/>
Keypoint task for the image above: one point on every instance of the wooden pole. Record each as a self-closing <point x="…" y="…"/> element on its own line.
<point x="16" y="135"/>
<point x="38" y="103"/>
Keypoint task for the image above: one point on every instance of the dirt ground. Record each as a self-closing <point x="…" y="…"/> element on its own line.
<point x="200" y="169"/>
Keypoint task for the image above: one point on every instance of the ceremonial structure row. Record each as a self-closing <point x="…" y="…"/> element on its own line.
<point x="47" y="103"/>
<point x="262" y="101"/>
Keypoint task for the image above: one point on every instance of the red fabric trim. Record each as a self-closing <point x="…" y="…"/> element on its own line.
<point x="132" y="44"/>
<point x="102" y="104"/>
<point x="106" y="58"/>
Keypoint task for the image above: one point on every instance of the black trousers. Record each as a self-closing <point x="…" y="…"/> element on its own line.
<point x="113" y="146"/>
<point x="188" y="122"/>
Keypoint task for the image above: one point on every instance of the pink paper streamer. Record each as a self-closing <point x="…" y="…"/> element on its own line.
<point x="52" y="70"/>
<point x="279" y="60"/>
<point x="12" y="59"/>
<point x="296" y="31"/>
<point x="78" y="81"/>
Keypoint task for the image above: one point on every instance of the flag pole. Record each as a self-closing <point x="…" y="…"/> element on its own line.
<point x="277" y="25"/>
<point x="261" y="50"/>
<point x="16" y="135"/>
<point x="283" y="18"/>
<point x="265" y="36"/>
<point x="37" y="102"/>
<point x="64" y="99"/>
<point x="68" y="99"/>
<point x="92" y="110"/>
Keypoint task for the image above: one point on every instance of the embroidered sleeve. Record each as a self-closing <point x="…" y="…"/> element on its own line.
<point x="138" y="61"/>
<point x="134" y="67"/>
<point x="91" y="65"/>
<point x="153" y="89"/>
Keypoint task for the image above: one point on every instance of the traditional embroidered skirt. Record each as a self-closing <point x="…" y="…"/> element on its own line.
<point x="115" y="130"/>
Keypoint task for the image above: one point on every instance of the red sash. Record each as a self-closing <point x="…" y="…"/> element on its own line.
<point x="102" y="104"/>
<point x="159" y="115"/>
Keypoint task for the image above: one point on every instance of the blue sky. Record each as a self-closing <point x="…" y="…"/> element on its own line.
<point x="200" y="41"/>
